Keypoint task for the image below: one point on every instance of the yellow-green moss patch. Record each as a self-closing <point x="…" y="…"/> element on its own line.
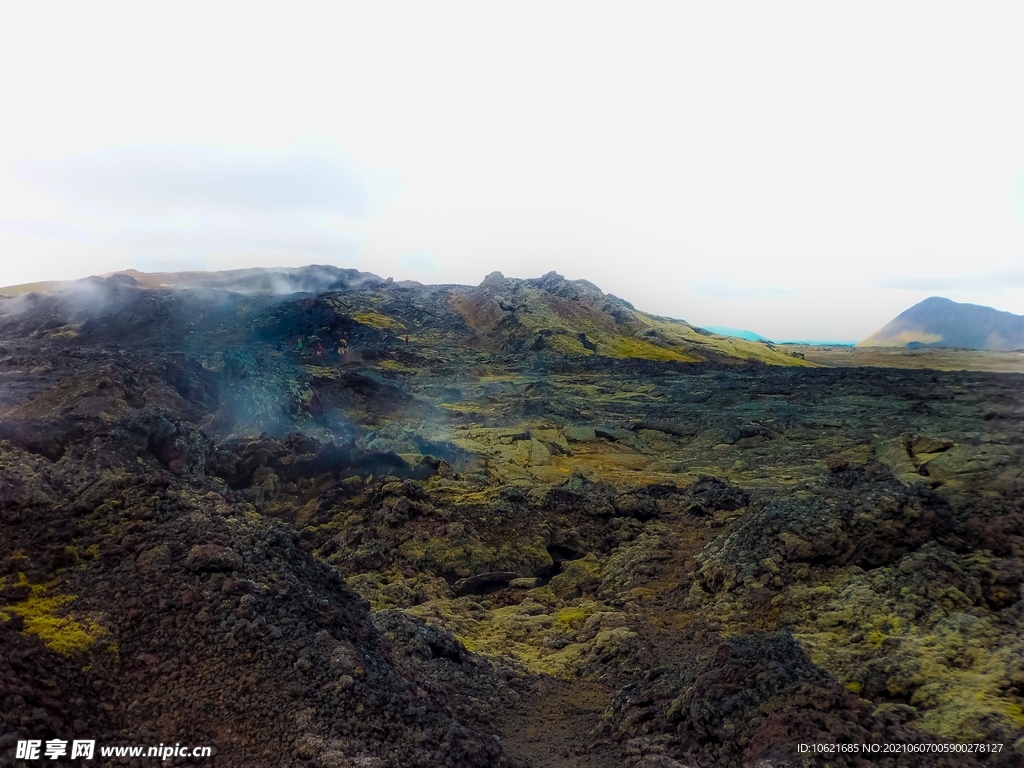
<point x="626" y="346"/>
<point x="378" y="321"/>
<point x="44" y="617"/>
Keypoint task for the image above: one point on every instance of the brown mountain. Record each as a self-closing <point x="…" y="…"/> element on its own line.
<point x="940" y="322"/>
<point x="549" y="314"/>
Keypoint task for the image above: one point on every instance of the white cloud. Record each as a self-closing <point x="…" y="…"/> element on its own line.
<point x="688" y="157"/>
<point x="42" y="228"/>
<point x="200" y="180"/>
<point x="727" y="289"/>
<point x="997" y="281"/>
<point x="202" y="206"/>
<point x="422" y="263"/>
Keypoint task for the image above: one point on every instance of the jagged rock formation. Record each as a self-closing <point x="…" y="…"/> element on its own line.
<point x="574" y="317"/>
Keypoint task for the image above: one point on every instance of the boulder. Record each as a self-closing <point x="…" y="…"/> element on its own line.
<point x="580" y="434"/>
<point x="483" y="583"/>
<point x="214" y="557"/>
<point x="578" y="577"/>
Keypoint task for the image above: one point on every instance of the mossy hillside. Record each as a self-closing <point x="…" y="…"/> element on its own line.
<point x="537" y="633"/>
<point x="644" y="566"/>
<point x="758" y="458"/>
<point x="461" y="555"/>
<point x="549" y="629"/>
<point x="556" y="629"/>
<point x="577" y="578"/>
<point x="101" y="396"/>
<point x="441" y="556"/>
<point x="678" y="333"/>
<point x="378" y="321"/>
<point x="712" y="449"/>
<point x="393" y="589"/>
<point x="465" y="529"/>
<point x="557" y="314"/>
<point x="565" y="344"/>
<point x="916" y="629"/>
<point x="395" y="367"/>
<point x="906" y="634"/>
<point x="628" y="347"/>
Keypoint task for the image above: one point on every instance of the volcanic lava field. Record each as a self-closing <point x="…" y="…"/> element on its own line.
<point x="521" y="524"/>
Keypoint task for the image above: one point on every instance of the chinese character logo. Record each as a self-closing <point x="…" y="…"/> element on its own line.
<point x="82" y="749"/>
<point x="28" y="750"/>
<point x="56" y="748"/>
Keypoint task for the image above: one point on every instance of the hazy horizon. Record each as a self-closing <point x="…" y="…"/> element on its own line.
<point x="800" y="171"/>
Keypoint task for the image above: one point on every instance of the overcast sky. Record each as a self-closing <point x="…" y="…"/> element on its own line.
<point x="804" y="170"/>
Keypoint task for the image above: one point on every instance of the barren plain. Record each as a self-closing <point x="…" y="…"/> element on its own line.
<point x="520" y="524"/>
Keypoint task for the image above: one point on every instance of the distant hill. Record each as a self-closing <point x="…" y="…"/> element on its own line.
<point x="737" y="333"/>
<point x="939" y="322"/>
